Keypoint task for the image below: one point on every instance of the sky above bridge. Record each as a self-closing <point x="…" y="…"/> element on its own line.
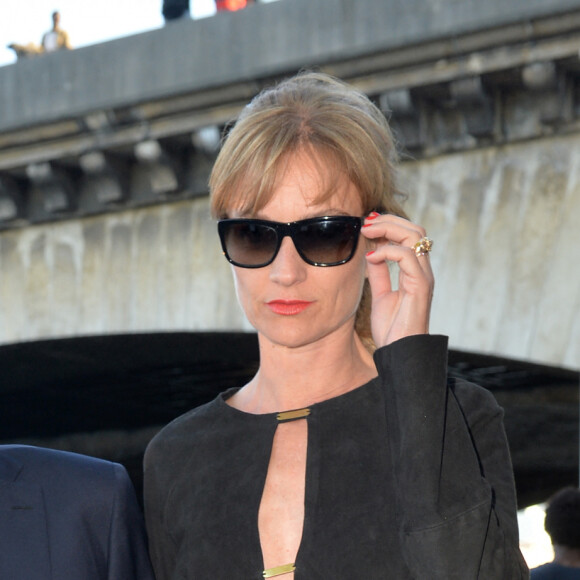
<point x="85" y="21"/>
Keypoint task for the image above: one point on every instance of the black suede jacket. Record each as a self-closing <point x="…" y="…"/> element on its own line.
<point x="407" y="477"/>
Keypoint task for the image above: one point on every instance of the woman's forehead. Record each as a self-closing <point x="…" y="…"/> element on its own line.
<point x="310" y="177"/>
<point x="303" y="202"/>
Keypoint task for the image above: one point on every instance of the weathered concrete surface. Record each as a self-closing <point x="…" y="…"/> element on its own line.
<point x="150" y="269"/>
<point x="504" y="221"/>
<point x="259" y="42"/>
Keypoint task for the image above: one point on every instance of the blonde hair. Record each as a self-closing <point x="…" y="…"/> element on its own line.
<point x="308" y="112"/>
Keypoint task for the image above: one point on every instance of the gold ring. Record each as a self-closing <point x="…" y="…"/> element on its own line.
<point x="423" y="246"/>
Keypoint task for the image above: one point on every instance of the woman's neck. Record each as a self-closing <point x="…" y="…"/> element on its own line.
<point x="293" y="378"/>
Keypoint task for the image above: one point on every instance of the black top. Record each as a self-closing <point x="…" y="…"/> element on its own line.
<point x="405" y="478"/>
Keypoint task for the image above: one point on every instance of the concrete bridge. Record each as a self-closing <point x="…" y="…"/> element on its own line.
<point x="105" y="153"/>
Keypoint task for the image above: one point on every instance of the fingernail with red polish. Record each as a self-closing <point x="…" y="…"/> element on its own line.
<point x="371" y="252"/>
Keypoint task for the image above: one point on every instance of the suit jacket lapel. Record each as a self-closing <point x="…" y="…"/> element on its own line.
<point x="23" y="527"/>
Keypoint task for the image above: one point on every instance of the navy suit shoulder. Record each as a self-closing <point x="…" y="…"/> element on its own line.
<point x="79" y="514"/>
<point x="28" y="463"/>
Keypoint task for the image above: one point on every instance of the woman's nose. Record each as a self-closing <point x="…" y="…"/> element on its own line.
<point x="288" y="267"/>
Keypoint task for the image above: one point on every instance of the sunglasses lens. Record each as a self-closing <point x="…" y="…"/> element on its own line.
<point x="249" y="244"/>
<point x="327" y="243"/>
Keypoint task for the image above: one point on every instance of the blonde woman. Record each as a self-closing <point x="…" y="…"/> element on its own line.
<point x="348" y="455"/>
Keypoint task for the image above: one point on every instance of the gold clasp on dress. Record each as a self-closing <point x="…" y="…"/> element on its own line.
<point x="291" y="415"/>
<point x="278" y="570"/>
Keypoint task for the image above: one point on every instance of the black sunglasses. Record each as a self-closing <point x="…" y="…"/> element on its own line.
<point x="320" y="241"/>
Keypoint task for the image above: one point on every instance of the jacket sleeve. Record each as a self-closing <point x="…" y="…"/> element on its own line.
<point x="455" y="489"/>
<point x="128" y="552"/>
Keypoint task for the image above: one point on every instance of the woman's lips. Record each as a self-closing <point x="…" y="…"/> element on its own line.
<point x="288" y="307"/>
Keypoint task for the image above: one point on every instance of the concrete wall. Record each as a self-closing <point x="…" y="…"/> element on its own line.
<point x="260" y="41"/>
<point x="504" y="221"/>
<point x="159" y="268"/>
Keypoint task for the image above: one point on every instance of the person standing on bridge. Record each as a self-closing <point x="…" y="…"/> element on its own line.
<point x="349" y="455"/>
<point x="231" y="5"/>
<point x="173" y="10"/>
<point x="56" y="38"/>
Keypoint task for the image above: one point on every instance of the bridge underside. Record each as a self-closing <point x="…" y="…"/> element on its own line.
<point x="108" y="395"/>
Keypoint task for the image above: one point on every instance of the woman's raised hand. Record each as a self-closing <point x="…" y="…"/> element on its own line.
<point x="404" y="311"/>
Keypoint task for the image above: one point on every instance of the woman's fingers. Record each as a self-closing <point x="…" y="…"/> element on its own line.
<point x="404" y="311"/>
<point x="398" y="227"/>
<point x="394" y="239"/>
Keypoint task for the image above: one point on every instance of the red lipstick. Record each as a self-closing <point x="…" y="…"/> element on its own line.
<point x="288" y="307"/>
